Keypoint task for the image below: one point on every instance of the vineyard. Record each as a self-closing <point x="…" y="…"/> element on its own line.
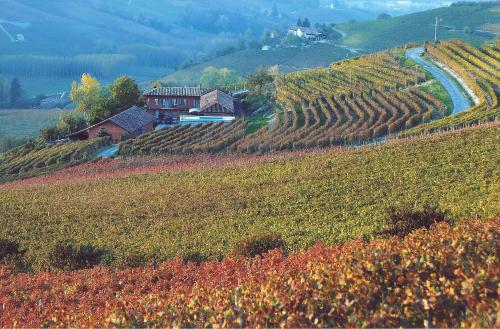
<point x="443" y="277"/>
<point x="479" y="68"/>
<point x="329" y="196"/>
<point x="356" y="100"/>
<point x="31" y="159"/>
<point x="351" y="102"/>
<point x="202" y="138"/>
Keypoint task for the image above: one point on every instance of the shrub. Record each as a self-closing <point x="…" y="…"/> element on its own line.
<point x="8" y="248"/>
<point x="258" y="245"/>
<point x="403" y="220"/>
<point x="194" y="257"/>
<point x="64" y="256"/>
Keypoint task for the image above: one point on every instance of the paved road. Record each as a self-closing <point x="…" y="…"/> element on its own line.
<point x="108" y="152"/>
<point x="460" y="101"/>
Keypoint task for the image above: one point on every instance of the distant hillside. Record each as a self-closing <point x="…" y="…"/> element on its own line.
<point x="481" y="19"/>
<point x="60" y="39"/>
<point x="471" y="22"/>
<point x="245" y="62"/>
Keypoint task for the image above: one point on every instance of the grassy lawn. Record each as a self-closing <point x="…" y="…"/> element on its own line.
<point x="437" y="90"/>
<point x="255" y="123"/>
<point x="26" y="123"/>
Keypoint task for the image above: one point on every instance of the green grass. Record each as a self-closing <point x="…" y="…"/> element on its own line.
<point x="419" y="27"/>
<point x="330" y="197"/>
<point x="26" y="123"/>
<point x="436" y="89"/>
<point x="255" y="123"/>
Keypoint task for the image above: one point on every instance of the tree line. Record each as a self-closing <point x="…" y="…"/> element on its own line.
<point x="94" y="104"/>
<point x="12" y="94"/>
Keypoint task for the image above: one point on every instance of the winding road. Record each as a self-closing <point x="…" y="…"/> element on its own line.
<point x="460" y="101"/>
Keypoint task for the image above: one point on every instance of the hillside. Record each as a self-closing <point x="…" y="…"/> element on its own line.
<point x="138" y="218"/>
<point x="478" y="68"/>
<point x="373" y="284"/>
<point x="61" y="40"/>
<point x="482" y="20"/>
<point x="367" y="37"/>
<point x="247" y="61"/>
<point x="361" y="100"/>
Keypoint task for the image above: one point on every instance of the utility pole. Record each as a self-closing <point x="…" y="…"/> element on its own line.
<point x="436" y="30"/>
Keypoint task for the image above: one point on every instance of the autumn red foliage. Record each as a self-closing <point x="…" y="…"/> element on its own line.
<point x="444" y="277"/>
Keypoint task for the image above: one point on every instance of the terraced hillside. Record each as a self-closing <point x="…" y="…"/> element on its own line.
<point x="351" y="101"/>
<point x="329" y="196"/>
<point x="207" y="138"/>
<point x="31" y="159"/>
<point x="479" y="68"/>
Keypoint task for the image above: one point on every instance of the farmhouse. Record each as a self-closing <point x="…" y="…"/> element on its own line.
<point x="167" y="103"/>
<point x="308" y="33"/>
<point x="131" y="123"/>
<point x="217" y="102"/>
<point x="170" y="104"/>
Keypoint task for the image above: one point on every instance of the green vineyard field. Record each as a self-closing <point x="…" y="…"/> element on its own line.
<point x="331" y="197"/>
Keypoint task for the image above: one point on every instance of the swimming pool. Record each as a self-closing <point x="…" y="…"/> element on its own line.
<point x="195" y="119"/>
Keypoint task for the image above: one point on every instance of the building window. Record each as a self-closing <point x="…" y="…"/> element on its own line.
<point x="157" y="101"/>
<point x="196" y="103"/>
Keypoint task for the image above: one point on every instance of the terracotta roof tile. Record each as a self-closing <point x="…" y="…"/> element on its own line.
<point x="132" y="119"/>
<point x="217" y="97"/>
<point x="176" y="91"/>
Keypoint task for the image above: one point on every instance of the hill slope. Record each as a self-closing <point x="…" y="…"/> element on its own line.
<point x="139" y="218"/>
<point x="143" y="39"/>
<point x="247" y="61"/>
<point x="366" y="36"/>
<point x="483" y="20"/>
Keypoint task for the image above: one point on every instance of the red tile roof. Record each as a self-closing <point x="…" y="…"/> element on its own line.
<point x="176" y="91"/>
<point x="214" y="97"/>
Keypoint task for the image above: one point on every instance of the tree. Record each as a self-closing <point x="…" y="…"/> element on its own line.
<point x="213" y="77"/>
<point x="291" y="40"/>
<point x="306" y="23"/>
<point x="50" y="133"/>
<point x="16" y="91"/>
<point x="124" y="92"/>
<point x="91" y="100"/>
<point x="384" y="16"/>
<point x="299" y="22"/>
<point x="71" y="122"/>
<point x="3" y="88"/>
<point x="262" y="77"/>
<point x="68" y="123"/>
